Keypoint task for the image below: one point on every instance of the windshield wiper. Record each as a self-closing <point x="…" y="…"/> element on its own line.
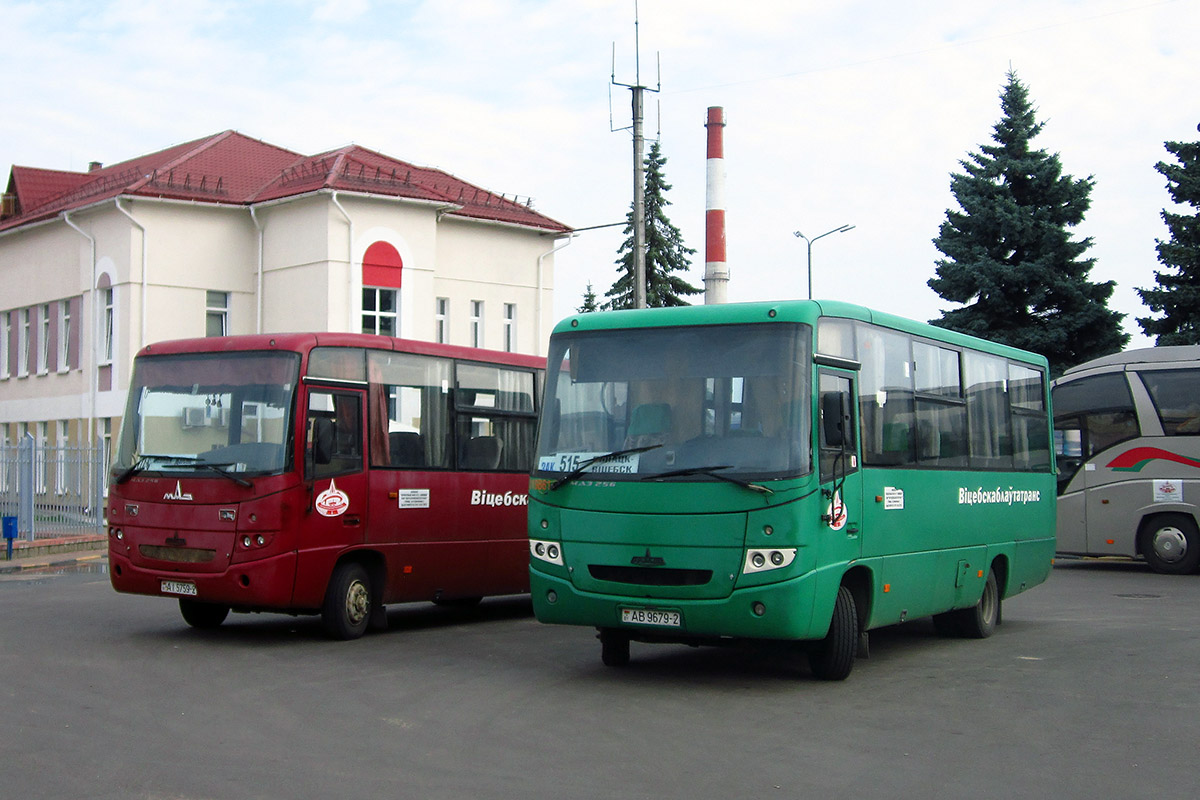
<point x="582" y="468"/>
<point x="224" y="473"/>
<point x="143" y="462"/>
<point x="712" y="472"/>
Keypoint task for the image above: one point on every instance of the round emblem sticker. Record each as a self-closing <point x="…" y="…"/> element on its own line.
<point x="332" y="502"/>
<point x="837" y="513"/>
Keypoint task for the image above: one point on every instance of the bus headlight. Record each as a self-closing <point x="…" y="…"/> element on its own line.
<point x="768" y="558"/>
<point x="550" y="552"/>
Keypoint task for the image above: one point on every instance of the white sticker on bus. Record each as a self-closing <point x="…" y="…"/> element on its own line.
<point x="1168" y="491"/>
<point x="836" y="513"/>
<point x="893" y="499"/>
<point x="332" y="502"/>
<point x="413" y="498"/>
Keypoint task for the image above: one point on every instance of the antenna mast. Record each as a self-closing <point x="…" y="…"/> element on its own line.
<point x="639" y="170"/>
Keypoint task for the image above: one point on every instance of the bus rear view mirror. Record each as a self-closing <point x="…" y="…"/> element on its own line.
<point x="322" y="440"/>
<point x="833" y="412"/>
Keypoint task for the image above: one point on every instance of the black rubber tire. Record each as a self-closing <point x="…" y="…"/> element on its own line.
<point x="347" y="607"/>
<point x="980" y="620"/>
<point x="1170" y="544"/>
<point x="202" y="615"/>
<point x="614" y="647"/>
<point x="833" y="658"/>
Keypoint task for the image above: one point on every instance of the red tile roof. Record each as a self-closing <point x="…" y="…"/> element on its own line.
<point x="233" y="169"/>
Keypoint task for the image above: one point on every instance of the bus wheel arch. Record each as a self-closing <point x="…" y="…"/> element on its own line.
<point x="1170" y="542"/>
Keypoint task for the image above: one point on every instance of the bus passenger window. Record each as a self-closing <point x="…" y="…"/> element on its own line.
<point x="334" y="434"/>
<point x="1174" y="393"/>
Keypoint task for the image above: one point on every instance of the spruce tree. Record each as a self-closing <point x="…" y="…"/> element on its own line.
<point x="666" y="253"/>
<point x="589" y="300"/>
<point x="1010" y="258"/>
<point x="1178" y="294"/>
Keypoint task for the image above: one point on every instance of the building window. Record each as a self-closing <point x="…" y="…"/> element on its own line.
<point x="105" y="451"/>
<point x="5" y="338"/>
<point x="23" y="335"/>
<point x="108" y="315"/>
<point x="60" y="461"/>
<point x="379" y="313"/>
<point x="43" y="343"/>
<point x="510" y="327"/>
<point x="476" y="323"/>
<point x="64" y="335"/>
<point x="216" y="314"/>
<point x="39" y="458"/>
<point x="441" y="320"/>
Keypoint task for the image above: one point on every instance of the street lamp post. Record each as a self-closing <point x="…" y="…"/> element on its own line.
<point x="800" y="235"/>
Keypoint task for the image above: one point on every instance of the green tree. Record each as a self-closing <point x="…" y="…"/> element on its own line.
<point x="1010" y="258"/>
<point x="666" y="254"/>
<point x="589" y="300"/>
<point x="1177" y="295"/>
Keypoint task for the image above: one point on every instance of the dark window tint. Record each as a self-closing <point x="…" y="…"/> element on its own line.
<point x="1176" y="396"/>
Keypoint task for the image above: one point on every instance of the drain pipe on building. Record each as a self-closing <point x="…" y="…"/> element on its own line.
<point x="144" y="303"/>
<point x="95" y="314"/>
<point x="353" y="301"/>
<point x="538" y="305"/>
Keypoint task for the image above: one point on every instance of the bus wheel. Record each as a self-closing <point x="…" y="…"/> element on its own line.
<point x="347" y="607"/>
<point x="1170" y="544"/>
<point x="833" y="658"/>
<point x="202" y="615"/>
<point x="979" y="621"/>
<point x="614" y="647"/>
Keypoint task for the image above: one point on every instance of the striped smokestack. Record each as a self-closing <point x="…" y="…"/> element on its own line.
<point x="716" y="272"/>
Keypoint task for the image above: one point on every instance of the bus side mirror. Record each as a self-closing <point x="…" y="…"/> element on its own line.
<point x="322" y="440"/>
<point x="833" y="412"/>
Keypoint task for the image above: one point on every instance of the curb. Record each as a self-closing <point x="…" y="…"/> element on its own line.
<point x="23" y="564"/>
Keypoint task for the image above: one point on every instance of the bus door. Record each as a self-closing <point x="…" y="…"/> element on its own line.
<point x="838" y="464"/>
<point x="335" y="477"/>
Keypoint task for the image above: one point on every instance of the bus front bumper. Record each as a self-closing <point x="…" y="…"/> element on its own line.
<point x="264" y="584"/>
<point x="783" y="610"/>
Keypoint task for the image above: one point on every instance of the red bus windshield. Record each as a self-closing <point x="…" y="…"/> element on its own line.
<point x="193" y="412"/>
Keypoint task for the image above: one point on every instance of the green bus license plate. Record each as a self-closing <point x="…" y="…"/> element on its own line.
<point x="178" y="587"/>
<point x="650" y="616"/>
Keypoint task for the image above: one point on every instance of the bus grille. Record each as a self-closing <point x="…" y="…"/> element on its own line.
<point x="650" y="576"/>
<point x="183" y="555"/>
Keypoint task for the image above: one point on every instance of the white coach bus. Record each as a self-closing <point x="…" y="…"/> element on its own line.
<point x="1127" y="440"/>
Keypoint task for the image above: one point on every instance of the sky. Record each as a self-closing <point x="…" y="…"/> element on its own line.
<point x="838" y="113"/>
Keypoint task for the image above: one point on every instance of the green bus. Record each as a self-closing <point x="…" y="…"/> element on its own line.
<point x="801" y="471"/>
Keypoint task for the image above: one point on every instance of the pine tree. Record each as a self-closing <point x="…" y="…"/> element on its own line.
<point x="1010" y="258"/>
<point x="589" y="300"/>
<point x="1178" y="294"/>
<point x="666" y="253"/>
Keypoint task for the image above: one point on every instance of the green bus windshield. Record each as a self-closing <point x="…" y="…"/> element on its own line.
<point x="687" y="401"/>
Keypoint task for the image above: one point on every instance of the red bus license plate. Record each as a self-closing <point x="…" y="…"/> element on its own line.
<point x="178" y="587"/>
<point x="651" y="616"/>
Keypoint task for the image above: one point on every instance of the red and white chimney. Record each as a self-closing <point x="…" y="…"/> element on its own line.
<point x="716" y="271"/>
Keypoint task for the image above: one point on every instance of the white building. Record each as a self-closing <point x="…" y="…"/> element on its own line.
<point x="231" y="235"/>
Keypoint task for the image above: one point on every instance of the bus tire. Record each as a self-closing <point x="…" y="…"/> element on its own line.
<point x="1170" y="544"/>
<point x="980" y="620"/>
<point x="347" y="607"/>
<point x="614" y="647"/>
<point x="833" y="658"/>
<point x="202" y="615"/>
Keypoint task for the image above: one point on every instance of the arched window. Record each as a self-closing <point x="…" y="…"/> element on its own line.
<point x="381" y="274"/>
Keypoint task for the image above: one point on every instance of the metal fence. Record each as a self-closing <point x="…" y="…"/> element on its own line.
<point x="52" y="491"/>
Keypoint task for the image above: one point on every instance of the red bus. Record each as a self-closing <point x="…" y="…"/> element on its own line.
<point x="322" y="473"/>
